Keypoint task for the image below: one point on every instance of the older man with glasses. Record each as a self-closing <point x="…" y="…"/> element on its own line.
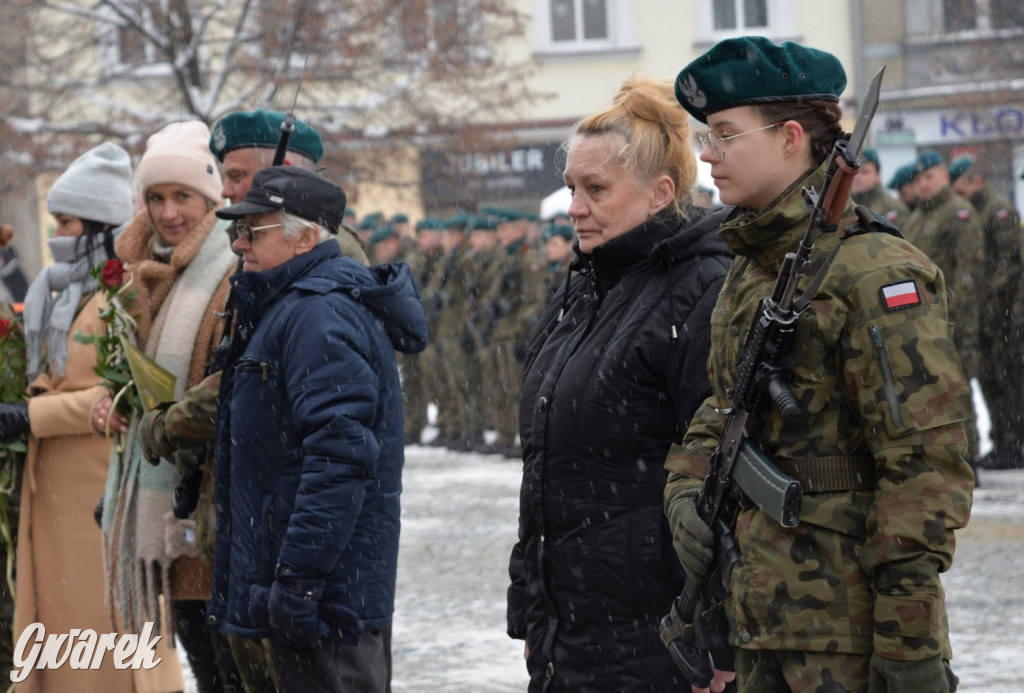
<point x="309" y="447"/>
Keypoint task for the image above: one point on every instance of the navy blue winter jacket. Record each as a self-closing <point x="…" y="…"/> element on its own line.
<point x="310" y="449"/>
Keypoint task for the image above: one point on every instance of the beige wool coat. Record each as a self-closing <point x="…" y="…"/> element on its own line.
<point x="60" y="577"/>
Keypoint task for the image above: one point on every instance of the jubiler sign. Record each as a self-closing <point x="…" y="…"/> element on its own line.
<point x="461" y="178"/>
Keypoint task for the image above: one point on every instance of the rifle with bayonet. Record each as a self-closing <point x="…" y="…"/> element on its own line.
<point x="738" y="469"/>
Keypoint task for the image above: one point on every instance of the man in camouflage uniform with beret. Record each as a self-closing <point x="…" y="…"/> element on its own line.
<point x="423" y="259"/>
<point x="867" y="190"/>
<point x="850" y="598"/>
<point x="509" y="308"/>
<point x="948" y="230"/>
<point x="902" y="182"/>
<point x="1002" y="326"/>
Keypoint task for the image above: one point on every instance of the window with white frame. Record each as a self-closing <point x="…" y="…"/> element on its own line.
<point x="722" y="19"/>
<point x="740" y="15"/>
<point x="575" y="26"/>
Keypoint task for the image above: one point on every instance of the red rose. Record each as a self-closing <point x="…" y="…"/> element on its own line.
<point x="5" y="329"/>
<point x="113" y="274"/>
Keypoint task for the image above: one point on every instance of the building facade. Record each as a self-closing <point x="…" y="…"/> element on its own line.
<point x="954" y="82"/>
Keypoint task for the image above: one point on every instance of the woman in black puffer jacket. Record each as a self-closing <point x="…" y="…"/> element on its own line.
<point x="615" y="371"/>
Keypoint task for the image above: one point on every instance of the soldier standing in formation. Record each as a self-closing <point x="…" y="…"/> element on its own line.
<point x="902" y="182"/>
<point x="850" y="598"/>
<point x="509" y="309"/>
<point x="1000" y="338"/>
<point x="948" y="230"/>
<point x="423" y="259"/>
<point x="557" y="239"/>
<point x="867" y="190"/>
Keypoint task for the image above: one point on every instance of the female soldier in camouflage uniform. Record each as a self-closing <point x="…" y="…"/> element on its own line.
<point x="850" y="599"/>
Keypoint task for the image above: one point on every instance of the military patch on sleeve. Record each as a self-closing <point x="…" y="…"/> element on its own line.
<point x="963" y="214"/>
<point x="1002" y="214"/>
<point x="900" y="295"/>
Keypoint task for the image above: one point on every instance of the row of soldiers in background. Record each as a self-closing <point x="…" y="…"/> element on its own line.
<point x="974" y="235"/>
<point x="484" y="279"/>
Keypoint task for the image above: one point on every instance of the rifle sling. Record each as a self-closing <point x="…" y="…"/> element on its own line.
<point x="831" y="474"/>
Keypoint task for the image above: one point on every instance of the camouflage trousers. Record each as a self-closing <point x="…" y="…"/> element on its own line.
<point x="761" y="671"/>
<point x="464" y="380"/>
<point x="431" y="367"/>
<point x="1002" y="382"/>
<point x="414" y="395"/>
<point x="508" y="382"/>
<point x="255" y="664"/>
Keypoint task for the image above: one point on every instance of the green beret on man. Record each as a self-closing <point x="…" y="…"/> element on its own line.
<point x="457" y="221"/>
<point x="752" y="70"/>
<point x="429" y="224"/>
<point x="556" y="231"/>
<point x="869" y="156"/>
<point x="481" y="222"/>
<point x="903" y="175"/>
<point x="262" y="128"/>
<point x="383" y="233"/>
<point x="927" y="159"/>
<point x="959" y="166"/>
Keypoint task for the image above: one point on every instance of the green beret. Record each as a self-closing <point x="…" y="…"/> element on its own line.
<point x="384" y="232"/>
<point x="754" y="70"/>
<point x="457" y="220"/>
<point x="262" y="128"/>
<point x="400" y="218"/>
<point x="429" y="223"/>
<point x="959" y="166"/>
<point x="561" y="230"/>
<point x="368" y="223"/>
<point x="927" y="159"/>
<point x="481" y="222"/>
<point x="350" y="213"/>
<point x="904" y="174"/>
<point x="509" y="215"/>
<point x="869" y="156"/>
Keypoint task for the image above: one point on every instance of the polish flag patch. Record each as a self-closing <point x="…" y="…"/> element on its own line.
<point x="900" y="295"/>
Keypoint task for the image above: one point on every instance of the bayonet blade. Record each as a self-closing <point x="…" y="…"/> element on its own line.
<point x="867" y="113"/>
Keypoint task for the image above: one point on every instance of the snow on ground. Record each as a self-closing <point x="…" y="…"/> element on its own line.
<point x="459" y="520"/>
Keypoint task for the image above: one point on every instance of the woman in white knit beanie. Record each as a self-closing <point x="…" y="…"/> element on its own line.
<point x="59" y="564"/>
<point x="179" y="266"/>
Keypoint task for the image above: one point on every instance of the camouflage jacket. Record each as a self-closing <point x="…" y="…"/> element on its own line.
<point x="874" y="369"/>
<point x="513" y="302"/>
<point x="1001" y="224"/>
<point x="948" y="230"/>
<point x="883" y="204"/>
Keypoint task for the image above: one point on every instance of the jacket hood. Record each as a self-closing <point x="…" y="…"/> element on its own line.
<point x="388" y="291"/>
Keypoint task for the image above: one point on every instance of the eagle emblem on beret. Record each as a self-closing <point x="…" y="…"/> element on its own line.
<point x="220" y="138"/>
<point x="688" y="88"/>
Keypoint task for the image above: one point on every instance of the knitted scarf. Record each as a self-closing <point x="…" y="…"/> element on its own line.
<point x="175" y="303"/>
<point x="47" y="316"/>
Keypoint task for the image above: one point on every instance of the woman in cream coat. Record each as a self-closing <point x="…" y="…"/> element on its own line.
<point x="59" y="563"/>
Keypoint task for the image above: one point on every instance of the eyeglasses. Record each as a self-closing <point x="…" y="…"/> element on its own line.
<point x="247" y="232"/>
<point x="717" y="144"/>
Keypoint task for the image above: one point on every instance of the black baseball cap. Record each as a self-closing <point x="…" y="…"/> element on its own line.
<point x="293" y="190"/>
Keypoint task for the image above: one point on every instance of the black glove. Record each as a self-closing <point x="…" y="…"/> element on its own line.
<point x="293" y="612"/>
<point x="931" y="675"/>
<point x="13" y="419"/>
<point x="693" y="540"/>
